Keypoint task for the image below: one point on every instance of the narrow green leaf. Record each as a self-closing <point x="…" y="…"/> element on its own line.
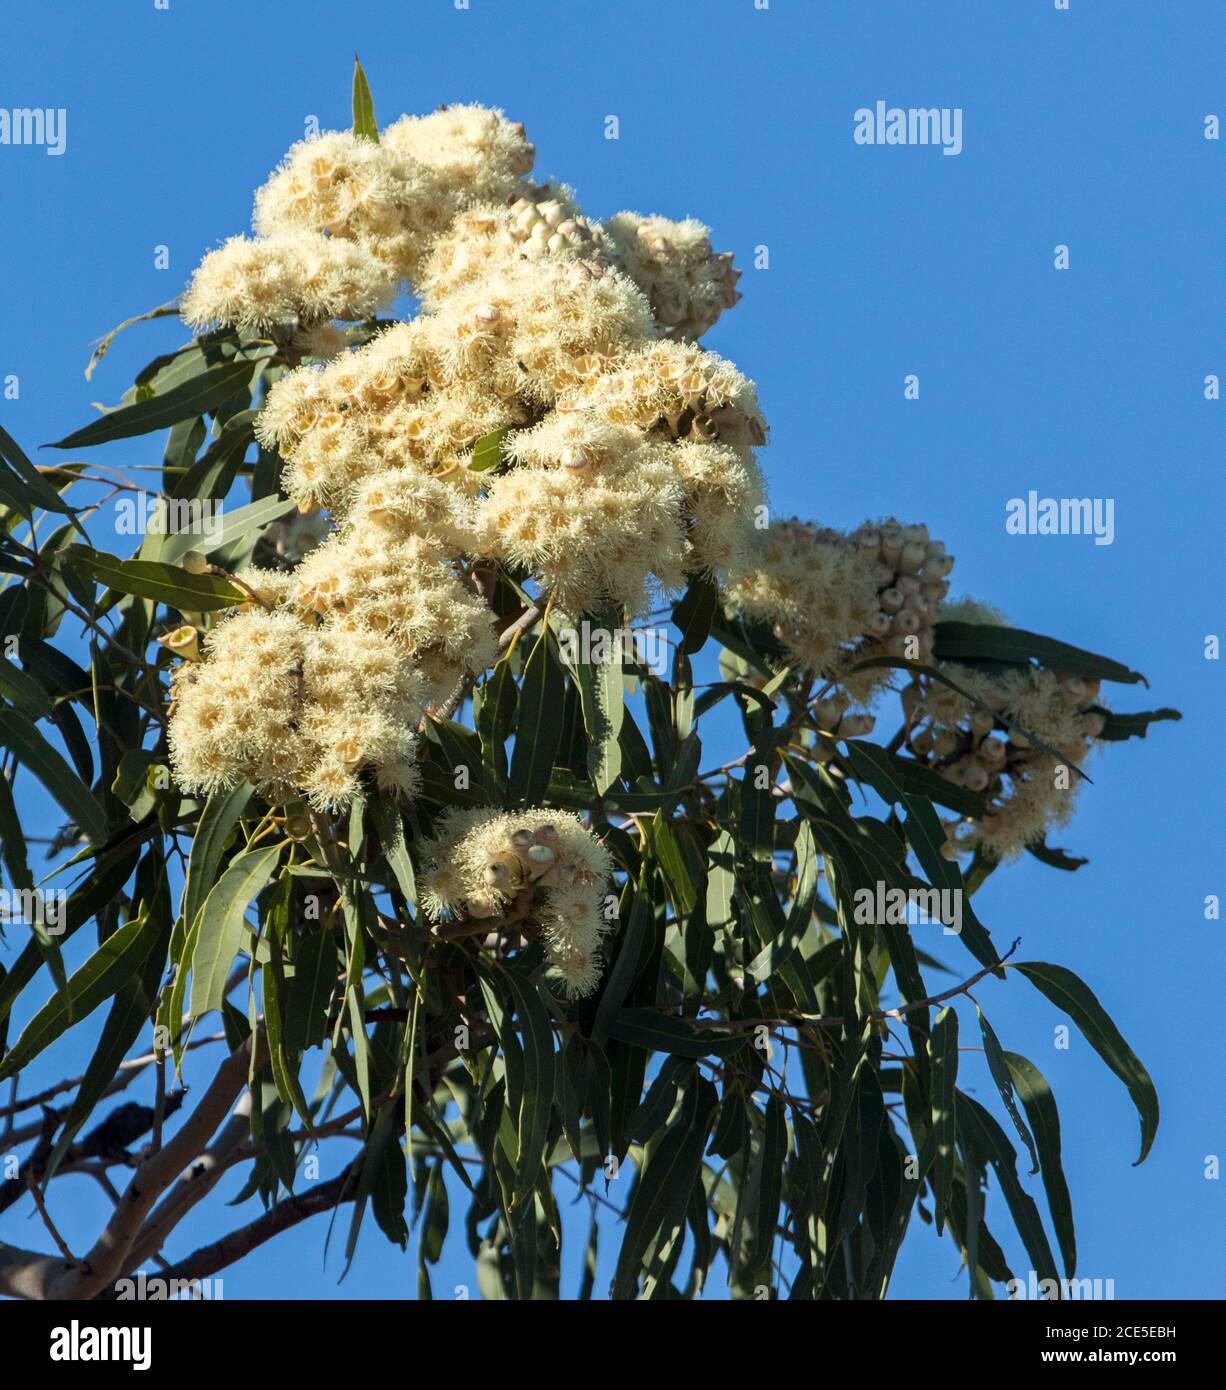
<point x="1040" y="1104"/>
<point x="115" y="961"/>
<point x="1004" y="1084"/>
<point x="1072" y="995"/>
<point x="217" y="821"/>
<point x="169" y="584"/>
<point x="941" y="1147"/>
<point x="662" y="1193"/>
<point x="235" y="526"/>
<point x="33" y="751"/>
<point x="223" y="923"/>
<point x="987" y="642"/>
<point x="364" y="124"/>
<point x="195" y="397"/>
<point x="538" y="729"/>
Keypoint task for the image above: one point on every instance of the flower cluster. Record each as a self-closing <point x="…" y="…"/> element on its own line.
<point x="834" y="599"/>
<point x="623" y="453"/>
<point x="539" y="870"/>
<point x="1018" y="736"/>
<point x="295" y="710"/>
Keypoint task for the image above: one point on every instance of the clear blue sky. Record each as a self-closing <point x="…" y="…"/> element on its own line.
<point x="1081" y="128"/>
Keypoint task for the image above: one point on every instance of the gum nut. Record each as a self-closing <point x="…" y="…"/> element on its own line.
<point x="541" y="855"/>
<point x="917" y="603"/>
<point x="949" y="850"/>
<point x="982" y="721"/>
<point x="976" y="778"/>
<point x="298" y="827"/>
<point x="891" y="600"/>
<point x="883" y="575"/>
<point x="955" y="774"/>
<point x="556" y="242"/>
<point x="546" y="834"/>
<point x="992" y="749"/>
<point x="568" y="227"/>
<point x="921" y="742"/>
<point x="934" y="549"/>
<point x="869" y="540"/>
<point x="481" y="908"/>
<point x="931" y="590"/>
<point x="1093" y="687"/>
<point x="890" y="553"/>
<point x="527" y="217"/>
<point x="906" y="622"/>
<point x="521" y="837"/>
<point x="487" y="313"/>
<point x="841" y="699"/>
<point x="574" y="459"/>
<point x="1019" y="740"/>
<point x="934" y="569"/>
<point x="879" y="624"/>
<point x="827" y="713"/>
<point x="195" y="562"/>
<point x="552" y="212"/>
<point x="944" y="744"/>
<point x="494" y="874"/>
<point x="1073" y="688"/>
<point x="912" y="555"/>
<point x="892" y="536"/>
<point x="908" y="584"/>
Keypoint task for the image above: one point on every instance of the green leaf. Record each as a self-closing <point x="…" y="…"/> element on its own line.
<point x="538" y="728"/>
<point x="487" y="451"/>
<point x="940" y="1149"/>
<point x="626" y="963"/>
<point x="1040" y="1105"/>
<point x="216" y="824"/>
<point x="662" y="1193"/>
<point x="34" y="753"/>
<point x="777" y="951"/>
<point x="679" y="1037"/>
<point x="236" y="525"/>
<point x="115" y="961"/>
<point x="602" y="696"/>
<point x="168" y="310"/>
<point x="536" y="1102"/>
<point x="364" y="123"/>
<point x="987" y="642"/>
<point x="195" y="397"/>
<point x="1004" y="1084"/>
<point x="390" y="826"/>
<point x="695" y="612"/>
<point x="986" y="1140"/>
<point x="128" y="1015"/>
<point x="316" y="964"/>
<point x="926" y="837"/>
<point x="40" y="491"/>
<point x="23" y="690"/>
<point x="223" y="925"/>
<point x="168" y="584"/>
<point x="1075" y="998"/>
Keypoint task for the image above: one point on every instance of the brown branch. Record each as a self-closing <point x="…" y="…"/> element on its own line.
<point x="291" y="1212"/>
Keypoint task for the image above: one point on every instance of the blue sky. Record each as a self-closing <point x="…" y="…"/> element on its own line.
<point x="1081" y="128"/>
